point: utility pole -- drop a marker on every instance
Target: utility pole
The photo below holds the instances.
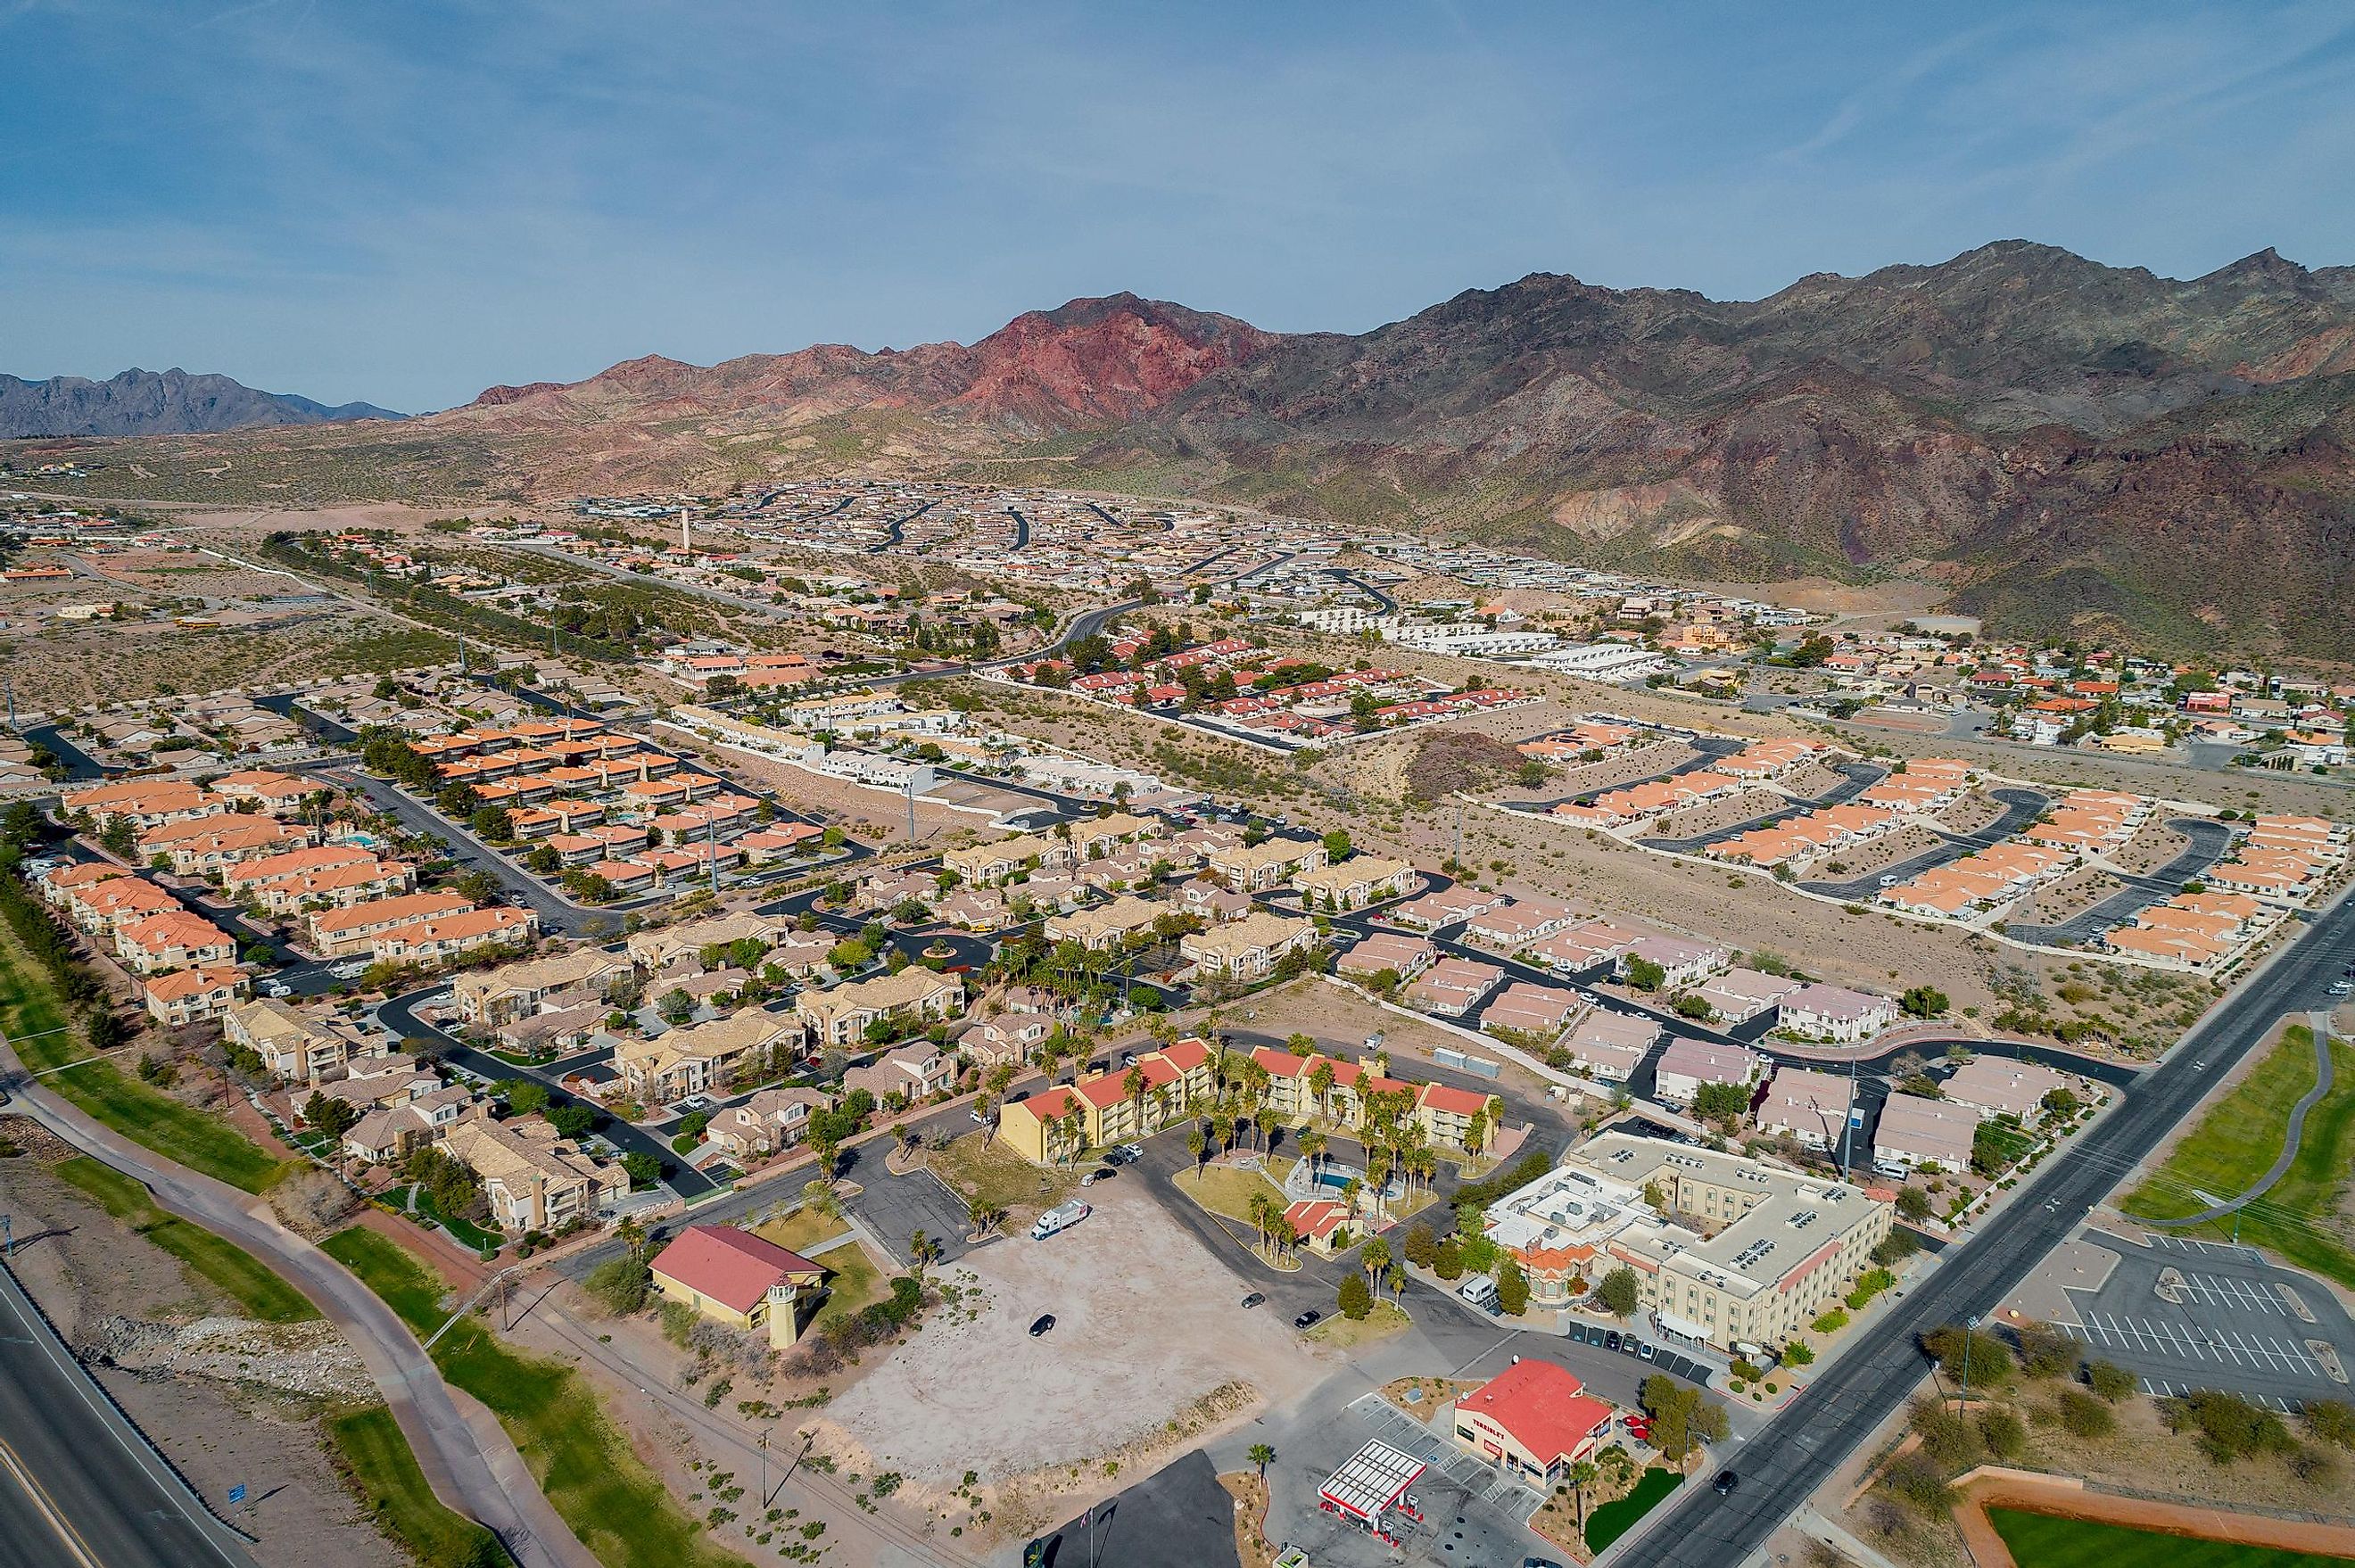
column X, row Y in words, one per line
column 711, row 847
column 1848, row 1127
column 909, row 789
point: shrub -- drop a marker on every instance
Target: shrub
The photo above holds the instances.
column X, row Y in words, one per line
column 1797, row 1353
column 2331, row 1420
column 1357, row 1298
column 2002, row 1430
column 1952, row 1346
column 2079, row 1415
column 1946, row 1438
column 619, row 1284
column 2109, row 1380
column 1831, row 1322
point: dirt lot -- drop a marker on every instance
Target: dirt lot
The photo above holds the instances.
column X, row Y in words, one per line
column 2153, row 845
column 1975, row 810
column 1889, row 850
column 979, row 1393
column 1711, row 815
column 2072, row 895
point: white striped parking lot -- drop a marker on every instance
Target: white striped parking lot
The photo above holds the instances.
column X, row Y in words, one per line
column 2233, row 1292
column 2197, row 1344
column 2163, row 1388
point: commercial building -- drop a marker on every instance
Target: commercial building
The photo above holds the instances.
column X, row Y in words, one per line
column 1768, row 1250
column 735, row 1277
column 1533, row 1421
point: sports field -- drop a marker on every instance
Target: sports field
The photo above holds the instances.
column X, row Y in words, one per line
column 2047, row 1541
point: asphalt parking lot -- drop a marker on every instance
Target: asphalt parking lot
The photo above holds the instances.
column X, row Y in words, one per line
column 2183, row 1315
column 896, row 1207
column 1663, row 1359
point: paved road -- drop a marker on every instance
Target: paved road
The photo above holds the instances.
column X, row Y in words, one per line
column 2209, row 842
column 1800, row 1449
column 78, row 1483
column 400, row 1015
column 558, row 916
column 1855, row 779
column 471, row 1465
column 2020, row 808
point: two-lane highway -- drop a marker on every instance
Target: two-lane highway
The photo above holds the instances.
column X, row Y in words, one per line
column 1782, row 1467
column 79, row 1486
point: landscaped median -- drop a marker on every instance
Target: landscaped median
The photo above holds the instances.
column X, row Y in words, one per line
column 614, row 1504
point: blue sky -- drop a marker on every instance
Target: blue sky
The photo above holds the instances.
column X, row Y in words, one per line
column 407, row 202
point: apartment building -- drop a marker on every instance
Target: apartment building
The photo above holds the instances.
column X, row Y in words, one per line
column 771, row 1120
column 1452, row 988
column 1806, row 1106
column 172, row 939
column 1834, row 1013
column 491, row 997
column 986, row 864
column 1354, row 883
column 533, row 1180
column 1263, row 868
column 1915, row 1133
column 1247, row 949
column 915, row 1071
column 1106, row 928
column 445, row 938
column 1609, row 1046
column 1056, row 1125
column 1687, row 1063
column 341, row 933
column 911, row 999
column 696, row 1061
column 194, row 996
column 289, row 1046
column 1404, row 956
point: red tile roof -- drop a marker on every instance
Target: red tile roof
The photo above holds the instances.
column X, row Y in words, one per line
column 733, row 1267
column 1539, row 1403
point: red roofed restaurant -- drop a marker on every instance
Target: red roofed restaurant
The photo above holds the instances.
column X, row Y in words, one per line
column 1532, row 1421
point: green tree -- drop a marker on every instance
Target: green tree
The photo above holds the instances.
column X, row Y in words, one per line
column 643, row 1170
column 1262, row 1456
column 675, row 1006
column 1421, row 1246
column 1336, row 845
column 1617, row 1293
column 1990, row 1358
column 1721, row 1102
column 525, row 1096
column 1357, row 1298
column 332, row 1116
column 1512, row 1288
column 573, row 1121
column 1447, row 1259
column 1913, row 1203
column 620, row 1284
column 1643, row 975
column 1924, row 1001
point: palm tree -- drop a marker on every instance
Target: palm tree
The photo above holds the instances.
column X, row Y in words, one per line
column 631, row 1234
column 1583, row 1475
column 1262, row 1456
column 1266, row 1121
column 1222, row 1129
column 1133, row 1087
column 1312, row 1148
column 1374, row 1258
column 1195, row 1144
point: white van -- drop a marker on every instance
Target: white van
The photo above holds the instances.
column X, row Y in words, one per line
column 1480, row 1291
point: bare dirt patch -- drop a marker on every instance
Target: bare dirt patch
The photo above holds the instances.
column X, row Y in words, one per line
column 2153, row 845
column 1889, row 850
column 1711, row 816
column 1975, row 810
column 980, row 1393
column 2071, row 896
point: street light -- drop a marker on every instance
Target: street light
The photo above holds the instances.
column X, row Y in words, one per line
column 1970, row 1327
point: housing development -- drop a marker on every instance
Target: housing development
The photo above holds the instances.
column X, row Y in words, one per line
column 1597, row 925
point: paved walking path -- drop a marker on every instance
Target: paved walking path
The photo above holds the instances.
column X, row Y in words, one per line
column 2319, row 1023
column 466, row 1455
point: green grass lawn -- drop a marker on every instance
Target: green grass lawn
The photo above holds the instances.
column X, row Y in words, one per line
column 803, row 1229
column 1613, row 1519
column 30, row 1010
column 2041, row 1540
column 853, row 1279
column 2237, row 1140
column 241, row 1275
column 380, row 1464
column 619, row 1509
column 979, row 1166
column 1225, row 1189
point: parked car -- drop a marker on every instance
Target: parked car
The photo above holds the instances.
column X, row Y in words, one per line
column 1611, row 1340
column 1102, row 1173
column 1725, row 1483
column 1646, row 1352
column 1046, row 1321
column 1308, row 1319
column 1254, row 1299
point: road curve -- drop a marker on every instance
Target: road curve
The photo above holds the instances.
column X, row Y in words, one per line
column 466, row 1457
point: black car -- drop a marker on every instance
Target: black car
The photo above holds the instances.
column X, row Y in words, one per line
column 1725, row 1483
column 1254, row 1299
column 1308, row 1319
column 1611, row 1340
column 1046, row 1321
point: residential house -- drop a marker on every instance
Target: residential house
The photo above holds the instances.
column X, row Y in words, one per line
column 194, row 996
column 914, row 996
column 533, row 1180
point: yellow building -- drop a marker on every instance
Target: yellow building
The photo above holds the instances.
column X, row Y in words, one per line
column 741, row 1280
column 1057, row 1125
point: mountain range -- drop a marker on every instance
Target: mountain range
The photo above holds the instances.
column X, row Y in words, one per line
column 2068, row 447
column 156, row 402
